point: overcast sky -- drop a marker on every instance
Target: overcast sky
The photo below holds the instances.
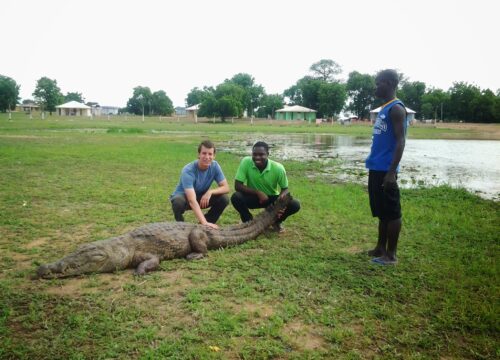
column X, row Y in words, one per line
column 104, row 48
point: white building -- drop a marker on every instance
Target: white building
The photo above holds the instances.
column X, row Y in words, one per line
column 409, row 118
column 73, row 108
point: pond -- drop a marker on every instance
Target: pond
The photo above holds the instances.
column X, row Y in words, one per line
column 470, row 164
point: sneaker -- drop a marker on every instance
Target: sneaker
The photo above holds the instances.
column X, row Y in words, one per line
column 278, row 228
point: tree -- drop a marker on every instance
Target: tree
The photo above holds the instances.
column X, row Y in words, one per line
column 462, row 96
column 140, row 102
column 433, row 102
column 484, row 107
column 230, row 100
column 161, row 103
column 47, row 94
column 209, row 106
column 325, row 69
column 361, row 91
column 305, row 92
column 294, row 94
column 197, row 96
column 411, row 94
column 74, row 96
column 332, row 97
column 269, row 104
column 9, row 93
column 253, row 92
column 316, row 94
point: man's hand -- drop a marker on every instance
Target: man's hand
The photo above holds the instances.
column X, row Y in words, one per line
column 389, row 180
column 205, row 199
column 210, row 225
column 262, row 197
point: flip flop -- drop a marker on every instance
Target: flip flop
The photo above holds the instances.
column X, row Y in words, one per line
column 379, row 261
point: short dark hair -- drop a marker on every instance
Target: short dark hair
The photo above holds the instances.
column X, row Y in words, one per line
column 261, row 144
column 389, row 75
column 207, row 144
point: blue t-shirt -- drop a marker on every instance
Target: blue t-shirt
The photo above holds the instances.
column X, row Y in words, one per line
column 199, row 180
column 383, row 140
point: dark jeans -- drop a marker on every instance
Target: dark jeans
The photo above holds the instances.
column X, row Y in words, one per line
column 242, row 202
column 217, row 204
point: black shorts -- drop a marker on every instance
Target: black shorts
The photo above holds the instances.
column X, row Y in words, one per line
column 384, row 203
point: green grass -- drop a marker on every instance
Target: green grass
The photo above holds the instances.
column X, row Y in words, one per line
column 308, row 294
column 21, row 124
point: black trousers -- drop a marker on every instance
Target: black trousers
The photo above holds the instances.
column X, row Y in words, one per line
column 243, row 202
column 217, row 204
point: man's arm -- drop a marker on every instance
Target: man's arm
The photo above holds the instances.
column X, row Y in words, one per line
column 283, row 192
column 239, row 186
column 223, row 188
column 398, row 117
column 191, row 198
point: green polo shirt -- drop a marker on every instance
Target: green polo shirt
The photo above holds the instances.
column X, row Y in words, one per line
column 270, row 181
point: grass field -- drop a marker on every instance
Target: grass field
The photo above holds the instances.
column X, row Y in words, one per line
column 310, row 293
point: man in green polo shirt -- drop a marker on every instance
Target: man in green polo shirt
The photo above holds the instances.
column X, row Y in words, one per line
column 259, row 182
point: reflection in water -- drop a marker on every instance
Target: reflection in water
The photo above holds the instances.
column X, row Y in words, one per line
column 472, row 164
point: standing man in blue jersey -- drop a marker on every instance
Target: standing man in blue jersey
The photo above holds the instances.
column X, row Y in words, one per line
column 194, row 192
column 389, row 133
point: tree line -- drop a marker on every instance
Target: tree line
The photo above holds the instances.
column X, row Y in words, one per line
column 321, row 90
column 48, row 95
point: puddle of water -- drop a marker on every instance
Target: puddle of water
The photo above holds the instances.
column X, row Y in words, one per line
column 471, row 164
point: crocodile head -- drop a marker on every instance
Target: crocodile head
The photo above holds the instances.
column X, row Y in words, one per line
column 87, row 259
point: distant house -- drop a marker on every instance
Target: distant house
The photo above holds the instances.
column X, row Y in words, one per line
column 27, row 108
column 180, row 111
column 193, row 111
column 409, row 118
column 73, row 108
column 296, row 112
column 109, row 110
column 98, row 110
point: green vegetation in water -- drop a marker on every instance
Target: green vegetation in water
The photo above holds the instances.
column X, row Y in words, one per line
column 310, row 293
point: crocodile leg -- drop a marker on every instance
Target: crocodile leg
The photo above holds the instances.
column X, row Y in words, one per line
column 150, row 264
column 198, row 240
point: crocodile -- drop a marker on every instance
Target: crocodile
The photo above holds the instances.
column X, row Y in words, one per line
column 144, row 247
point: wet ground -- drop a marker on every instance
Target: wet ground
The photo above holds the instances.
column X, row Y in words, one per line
column 471, row 164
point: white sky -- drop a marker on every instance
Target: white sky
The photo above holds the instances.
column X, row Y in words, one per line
column 104, row 48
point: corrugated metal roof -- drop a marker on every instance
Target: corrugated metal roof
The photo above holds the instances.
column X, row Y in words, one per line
column 194, row 107
column 73, row 105
column 295, row 108
column 377, row 110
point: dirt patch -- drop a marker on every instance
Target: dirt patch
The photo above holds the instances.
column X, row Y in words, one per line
column 352, row 250
column 261, row 310
column 77, row 286
column 483, row 131
column 36, row 243
column 303, row 337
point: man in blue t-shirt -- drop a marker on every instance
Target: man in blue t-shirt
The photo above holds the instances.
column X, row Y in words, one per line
column 389, row 132
column 194, row 192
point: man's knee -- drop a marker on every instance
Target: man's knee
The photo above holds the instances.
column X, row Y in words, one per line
column 179, row 204
column 237, row 198
column 294, row 206
column 223, row 200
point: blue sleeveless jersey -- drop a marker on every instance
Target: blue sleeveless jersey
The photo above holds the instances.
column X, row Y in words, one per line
column 383, row 140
